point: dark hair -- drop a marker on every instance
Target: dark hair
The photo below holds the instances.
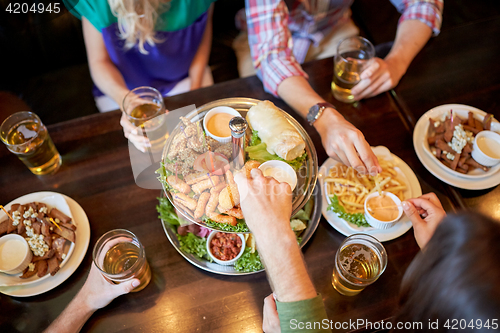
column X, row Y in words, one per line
column 456, row 276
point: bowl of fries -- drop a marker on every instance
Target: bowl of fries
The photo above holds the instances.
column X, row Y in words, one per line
column 350, row 189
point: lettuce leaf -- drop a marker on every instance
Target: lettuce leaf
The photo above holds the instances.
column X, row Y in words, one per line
column 241, row 226
column 356, row 219
column 194, row 245
column 167, row 213
column 248, row 262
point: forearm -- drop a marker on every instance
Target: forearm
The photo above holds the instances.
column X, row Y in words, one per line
column 72, row 319
column 299, row 95
column 109, row 80
column 411, row 37
column 284, row 264
column 200, row 60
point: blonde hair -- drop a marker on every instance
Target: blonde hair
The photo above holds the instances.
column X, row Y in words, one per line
column 137, row 20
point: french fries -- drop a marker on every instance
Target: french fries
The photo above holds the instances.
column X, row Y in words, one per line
column 352, row 188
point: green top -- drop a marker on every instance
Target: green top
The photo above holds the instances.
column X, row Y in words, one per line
column 179, row 14
column 303, row 316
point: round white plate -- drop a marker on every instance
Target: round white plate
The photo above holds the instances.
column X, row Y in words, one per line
column 39, row 286
column 382, row 235
column 481, row 182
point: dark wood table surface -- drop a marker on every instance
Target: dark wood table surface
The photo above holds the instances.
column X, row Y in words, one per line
column 96, row 172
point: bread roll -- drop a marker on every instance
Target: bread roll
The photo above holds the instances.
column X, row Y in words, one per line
column 280, row 137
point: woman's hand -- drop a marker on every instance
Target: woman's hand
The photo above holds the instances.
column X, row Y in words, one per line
column 271, row 322
column 382, row 75
column 134, row 134
column 425, row 214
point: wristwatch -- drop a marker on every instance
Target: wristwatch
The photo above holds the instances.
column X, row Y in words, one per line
column 316, row 110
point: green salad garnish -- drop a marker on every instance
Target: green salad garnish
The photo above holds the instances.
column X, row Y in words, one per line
column 249, row 262
column 356, row 219
column 193, row 244
column 257, row 151
column 241, row 226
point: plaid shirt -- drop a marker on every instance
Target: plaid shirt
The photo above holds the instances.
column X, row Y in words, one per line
column 281, row 31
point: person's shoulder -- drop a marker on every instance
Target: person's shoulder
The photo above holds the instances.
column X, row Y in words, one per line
column 180, row 14
column 97, row 12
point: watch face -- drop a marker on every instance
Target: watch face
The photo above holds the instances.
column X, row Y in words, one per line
column 313, row 112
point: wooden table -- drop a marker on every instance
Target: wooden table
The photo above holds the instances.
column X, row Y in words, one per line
column 96, row 172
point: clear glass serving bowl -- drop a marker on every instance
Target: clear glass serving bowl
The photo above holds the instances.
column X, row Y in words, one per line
column 306, row 175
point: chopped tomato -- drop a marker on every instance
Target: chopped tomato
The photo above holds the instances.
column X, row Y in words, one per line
column 214, row 163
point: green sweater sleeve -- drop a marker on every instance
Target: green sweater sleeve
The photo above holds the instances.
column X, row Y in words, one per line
column 303, row 316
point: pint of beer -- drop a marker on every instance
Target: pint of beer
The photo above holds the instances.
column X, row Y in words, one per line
column 360, row 260
column 25, row 135
column 352, row 58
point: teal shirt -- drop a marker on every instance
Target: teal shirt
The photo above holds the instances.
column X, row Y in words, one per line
column 303, row 316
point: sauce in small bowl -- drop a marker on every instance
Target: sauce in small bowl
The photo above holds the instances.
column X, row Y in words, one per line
column 383, row 211
column 486, row 148
column 15, row 254
column 216, row 123
column 225, row 248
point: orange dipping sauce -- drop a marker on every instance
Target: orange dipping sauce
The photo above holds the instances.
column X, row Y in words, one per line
column 218, row 124
column 383, row 208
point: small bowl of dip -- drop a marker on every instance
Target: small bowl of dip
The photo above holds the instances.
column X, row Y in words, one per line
column 280, row 171
column 216, row 123
column 225, row 248
column 15, row 254
column 486, row 148
column 383, row 211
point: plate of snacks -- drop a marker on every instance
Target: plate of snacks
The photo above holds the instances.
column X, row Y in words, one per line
column 345, row 191
column 57, row 233
column 445, row 139
column 203, row 153
column 194, row 242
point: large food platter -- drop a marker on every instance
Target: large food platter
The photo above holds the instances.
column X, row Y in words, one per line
column 229, row 270
column 307, row 174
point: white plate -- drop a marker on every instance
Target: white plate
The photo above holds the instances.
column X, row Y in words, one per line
column 483, row 180
column 463, row 112
column 71, row 263
column 383, row 235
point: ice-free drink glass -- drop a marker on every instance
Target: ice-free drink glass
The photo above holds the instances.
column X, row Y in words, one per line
column 143, row 107
column 25, row 135
column 120, row 257
column 359, row 261
column 353, row 57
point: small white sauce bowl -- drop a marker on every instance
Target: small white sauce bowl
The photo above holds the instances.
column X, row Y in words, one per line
column 481, row 157
column 378, row 224
column 216, row 110
column 285, row 167
column 23, row 254
column 225, row 262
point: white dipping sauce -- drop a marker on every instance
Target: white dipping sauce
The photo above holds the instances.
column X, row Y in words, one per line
column 12, row 254
column 489, row 146
column 279, row 174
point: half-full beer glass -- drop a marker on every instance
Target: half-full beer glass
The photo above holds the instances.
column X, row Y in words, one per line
column 353, row 56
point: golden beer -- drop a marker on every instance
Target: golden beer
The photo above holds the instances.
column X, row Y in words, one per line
column 145, row 109
column 122, row 257
column 358, row 263
column 26, row 136
column 352, row 58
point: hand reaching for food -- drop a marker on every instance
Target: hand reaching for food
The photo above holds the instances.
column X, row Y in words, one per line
column 266, row 203
column 425, row 214
column 345, row 143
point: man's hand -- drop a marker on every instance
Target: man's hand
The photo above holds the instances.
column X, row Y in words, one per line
column 265, row 202
column 271, row 322
column 97, row 292
column 425, row 214
column 345, row 143
column 380, row 76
